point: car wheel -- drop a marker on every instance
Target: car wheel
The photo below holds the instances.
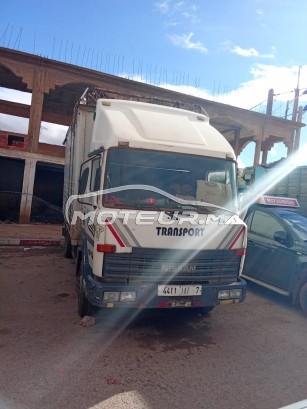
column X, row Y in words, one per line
column 303, row 298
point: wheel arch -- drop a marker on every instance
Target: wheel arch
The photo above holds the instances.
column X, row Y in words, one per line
column 301, row 280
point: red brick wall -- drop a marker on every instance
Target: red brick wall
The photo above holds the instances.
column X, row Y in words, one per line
column 52, row 150
column 15, row 145
column 43, row 148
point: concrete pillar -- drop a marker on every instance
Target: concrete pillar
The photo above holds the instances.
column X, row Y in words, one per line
column 36, row 110
column 257, row 153
column 27, row 191
column 264, row 157
column 236, row 147
column 290, row 149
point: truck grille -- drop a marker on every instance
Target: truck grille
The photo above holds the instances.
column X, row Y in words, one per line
column 172, row 265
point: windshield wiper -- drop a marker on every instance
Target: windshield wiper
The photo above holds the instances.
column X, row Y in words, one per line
column 204, row 208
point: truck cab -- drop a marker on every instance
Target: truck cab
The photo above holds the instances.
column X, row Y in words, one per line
column 151, row 209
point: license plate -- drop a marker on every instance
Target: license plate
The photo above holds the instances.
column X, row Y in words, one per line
column 178, row 290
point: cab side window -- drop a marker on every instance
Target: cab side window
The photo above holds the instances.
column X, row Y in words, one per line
column 264, row 224
column 83, row 180
column 95, row 175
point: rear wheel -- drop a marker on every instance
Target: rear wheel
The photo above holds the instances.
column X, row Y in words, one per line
column 303, row 298
column 67, row 246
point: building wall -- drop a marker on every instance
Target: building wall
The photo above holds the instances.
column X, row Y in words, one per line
column 56, row 87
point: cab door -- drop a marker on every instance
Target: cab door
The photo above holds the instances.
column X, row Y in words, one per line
column 256, row 250
column 268, row 258
column 89, row 185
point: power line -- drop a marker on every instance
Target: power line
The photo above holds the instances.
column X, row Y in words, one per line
column 260, row 103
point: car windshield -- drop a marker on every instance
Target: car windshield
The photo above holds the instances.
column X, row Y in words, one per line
column 188, row 177
column 297, row 222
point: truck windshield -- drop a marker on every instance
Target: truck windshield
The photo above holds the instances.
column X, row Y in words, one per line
column 188, row 177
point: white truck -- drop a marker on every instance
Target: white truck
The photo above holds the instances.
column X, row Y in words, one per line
column 150, row 208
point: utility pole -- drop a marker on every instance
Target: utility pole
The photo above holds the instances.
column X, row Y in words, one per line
column 296, row 96
column 269, row 106
column 298, row 130
column 296, row 133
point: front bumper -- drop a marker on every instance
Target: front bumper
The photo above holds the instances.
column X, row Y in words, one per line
column 146, row 295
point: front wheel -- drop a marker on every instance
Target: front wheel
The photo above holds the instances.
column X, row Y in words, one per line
column 303, row 298
column 84, row 306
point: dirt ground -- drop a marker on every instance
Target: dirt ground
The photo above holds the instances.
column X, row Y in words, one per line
column 246, row 356
column 31, row 231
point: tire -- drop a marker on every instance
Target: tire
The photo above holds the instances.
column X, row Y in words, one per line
column 303, row 298
column 67, row 246
column 84, row 306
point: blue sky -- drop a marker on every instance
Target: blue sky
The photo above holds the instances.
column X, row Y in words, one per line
column 229, row 51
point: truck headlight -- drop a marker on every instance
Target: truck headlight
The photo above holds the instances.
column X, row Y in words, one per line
column 223, row 295
column 111, row 296
column 127, row 296
column 230, row 294
column 237, row 293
